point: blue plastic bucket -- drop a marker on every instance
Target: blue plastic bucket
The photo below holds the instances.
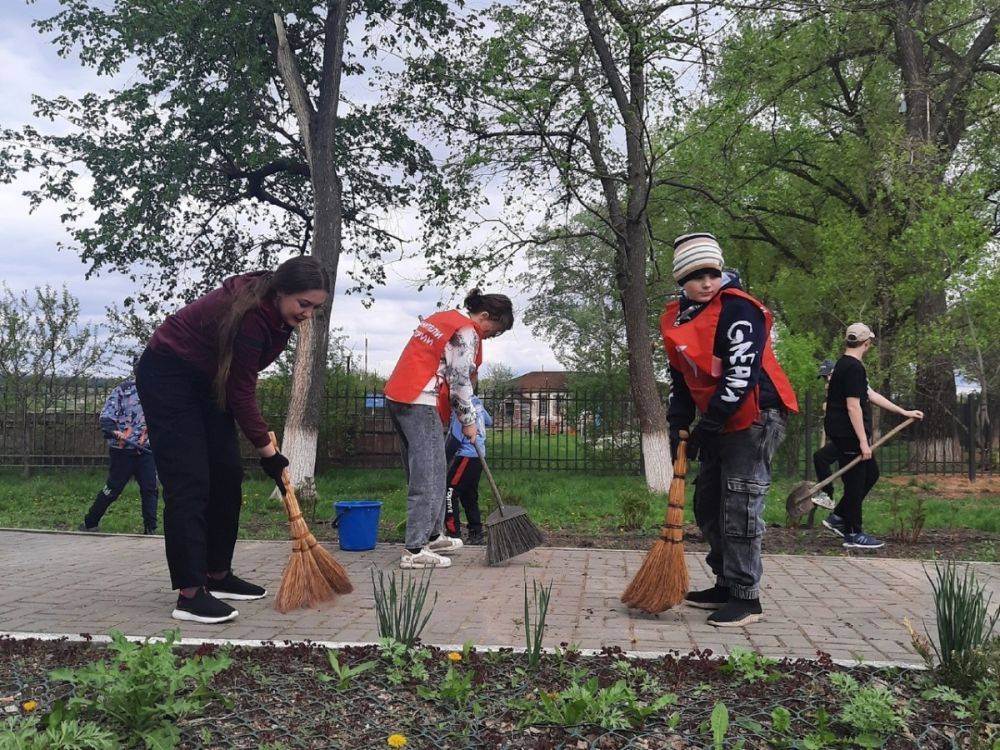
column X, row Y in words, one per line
column 357, row 521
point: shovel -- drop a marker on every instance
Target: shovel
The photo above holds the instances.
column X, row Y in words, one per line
column 805, row 494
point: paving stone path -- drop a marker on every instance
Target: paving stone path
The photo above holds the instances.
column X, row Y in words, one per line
column 849, row 607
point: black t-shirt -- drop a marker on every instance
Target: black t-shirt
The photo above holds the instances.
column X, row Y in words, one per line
column 849, row 380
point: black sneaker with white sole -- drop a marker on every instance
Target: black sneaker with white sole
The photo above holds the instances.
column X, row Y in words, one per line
column 737, row 613
column 234, row 589
column 203, row 607
column 713, row 598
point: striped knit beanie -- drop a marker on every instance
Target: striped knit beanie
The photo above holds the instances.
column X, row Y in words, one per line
column 696, row 252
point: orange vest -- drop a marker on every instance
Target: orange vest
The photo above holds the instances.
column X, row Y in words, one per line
column 690, row 350
column 421, row 359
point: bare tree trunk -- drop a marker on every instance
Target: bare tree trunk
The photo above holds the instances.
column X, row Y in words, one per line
column 318, row 128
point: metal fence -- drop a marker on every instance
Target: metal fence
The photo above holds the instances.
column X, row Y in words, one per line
column 54, row 423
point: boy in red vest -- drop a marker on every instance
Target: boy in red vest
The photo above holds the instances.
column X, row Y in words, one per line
column 433, row 377
column 722, row 366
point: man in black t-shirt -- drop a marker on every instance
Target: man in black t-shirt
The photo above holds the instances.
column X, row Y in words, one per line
column 848, row 425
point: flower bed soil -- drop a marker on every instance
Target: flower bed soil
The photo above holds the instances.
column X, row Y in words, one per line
column 276, row 696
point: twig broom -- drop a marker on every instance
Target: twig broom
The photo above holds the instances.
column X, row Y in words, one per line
column 509, row 531
column 312, row 575
column 662, row 581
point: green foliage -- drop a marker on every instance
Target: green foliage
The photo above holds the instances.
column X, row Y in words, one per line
column 454, row 690
column 870, row 710
column 612, row 707
column 534, row 619
column 191, row 163
column 749, row 666
column 719, row 723
column 344, row 672
column 399, row 606
column 405, row 662
column 66, row 734
column 633, row 507
column 143, row 689
column 964, row 623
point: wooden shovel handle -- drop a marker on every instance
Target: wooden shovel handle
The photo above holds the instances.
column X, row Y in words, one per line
column 854, row 462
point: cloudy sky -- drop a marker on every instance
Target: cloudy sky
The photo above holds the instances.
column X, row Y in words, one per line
column 28, row 255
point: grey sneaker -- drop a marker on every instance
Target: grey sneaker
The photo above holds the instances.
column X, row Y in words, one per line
column 84, row 527
column 836, row 524
column 861, row 540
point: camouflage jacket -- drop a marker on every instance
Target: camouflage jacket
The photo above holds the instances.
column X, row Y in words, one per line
column 122, row 414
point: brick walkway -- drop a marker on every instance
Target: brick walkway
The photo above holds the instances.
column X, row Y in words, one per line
column 850, row 607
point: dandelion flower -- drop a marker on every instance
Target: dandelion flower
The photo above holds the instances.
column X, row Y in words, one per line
column 396, row 740
column 29, row 706
column 454, row 656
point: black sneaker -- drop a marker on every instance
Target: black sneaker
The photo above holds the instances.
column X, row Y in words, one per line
column 149, row 531
column 712, row 598
column 836, row 524
column 861, row 540
column 476, row 537
column 203, row 607
column 234, row 588
column 84, row 527
column 737, row 613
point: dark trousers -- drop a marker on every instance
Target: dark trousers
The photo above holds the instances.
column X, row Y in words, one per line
column 858, row 482
column 463, row 490
column 198, row 459
column 823, row 461
column 122, row 466
column 729, row 494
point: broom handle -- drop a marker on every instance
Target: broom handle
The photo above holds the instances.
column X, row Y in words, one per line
column 854, row 462
column 489, row 475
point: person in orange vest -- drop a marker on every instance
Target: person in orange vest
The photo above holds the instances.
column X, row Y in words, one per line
column 722, row 367
column 432, row 378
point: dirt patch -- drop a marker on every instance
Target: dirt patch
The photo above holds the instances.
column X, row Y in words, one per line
column 959, row 544
column 285, row 697
column 952, row 487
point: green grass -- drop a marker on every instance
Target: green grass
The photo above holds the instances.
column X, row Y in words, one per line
column 558, row 501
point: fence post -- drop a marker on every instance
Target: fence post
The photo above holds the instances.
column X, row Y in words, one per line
column 970, row 424
column 807, row 422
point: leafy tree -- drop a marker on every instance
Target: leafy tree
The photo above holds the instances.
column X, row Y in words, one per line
column 558, row 100
column 231, row 146
column 41, row 340
column 847, row 155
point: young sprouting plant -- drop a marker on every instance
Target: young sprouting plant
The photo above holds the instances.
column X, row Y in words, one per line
column 144, row 688
column 534, row 619
column 612, row 707
column 719, row 722
column 344, row 673
column 749, row 666
column 400, row 605
column 870, row 710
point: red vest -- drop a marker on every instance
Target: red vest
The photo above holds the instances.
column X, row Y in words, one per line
column 421, row 359
column 690, row 350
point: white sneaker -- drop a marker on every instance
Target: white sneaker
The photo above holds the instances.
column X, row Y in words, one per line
column 423, row 559
column 445, row 544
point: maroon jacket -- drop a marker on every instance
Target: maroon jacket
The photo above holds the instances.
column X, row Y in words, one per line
column 192, row 334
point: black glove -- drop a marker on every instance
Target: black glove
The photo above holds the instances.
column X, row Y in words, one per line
column 705, row 435
column 273, row 466
column 675, row 441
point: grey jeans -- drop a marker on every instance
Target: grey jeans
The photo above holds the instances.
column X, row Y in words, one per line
column 729, row 498
column 421, row 438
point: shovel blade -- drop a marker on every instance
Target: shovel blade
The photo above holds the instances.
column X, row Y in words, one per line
column 799, row 500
